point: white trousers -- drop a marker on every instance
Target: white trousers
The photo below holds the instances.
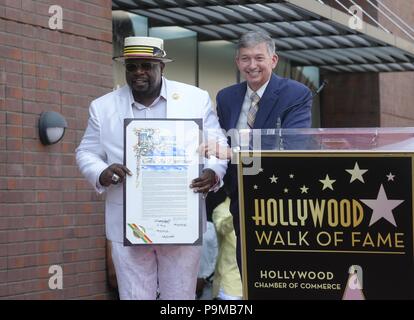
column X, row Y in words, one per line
column 140, row 270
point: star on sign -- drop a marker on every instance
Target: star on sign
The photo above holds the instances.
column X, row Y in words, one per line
column 261, row 170
column 286, row 190
column 304, row 189
column 327, row 183
column 390, row 176
column 291, row 176
column 273, row 179
column 255, row 187
column 356, row 173
column 382, row 207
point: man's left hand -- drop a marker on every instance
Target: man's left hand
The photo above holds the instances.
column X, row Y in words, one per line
column 204, row 182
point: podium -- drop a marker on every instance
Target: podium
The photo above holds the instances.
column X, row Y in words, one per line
column 326, row 213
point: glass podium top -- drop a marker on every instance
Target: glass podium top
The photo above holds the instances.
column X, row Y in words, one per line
column 367, row 139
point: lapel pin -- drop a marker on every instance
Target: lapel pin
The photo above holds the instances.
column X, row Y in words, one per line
column 176, row 96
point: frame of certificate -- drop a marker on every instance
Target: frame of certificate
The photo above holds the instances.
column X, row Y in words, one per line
column 159, row 206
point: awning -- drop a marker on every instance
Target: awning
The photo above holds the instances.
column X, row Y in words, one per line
column 306, row 32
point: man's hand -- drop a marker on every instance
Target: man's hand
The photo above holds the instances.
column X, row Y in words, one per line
column 214, row 148
column 110, row 174
column 204, row 182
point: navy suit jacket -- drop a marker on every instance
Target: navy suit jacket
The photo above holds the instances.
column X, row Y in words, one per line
column 283, row 98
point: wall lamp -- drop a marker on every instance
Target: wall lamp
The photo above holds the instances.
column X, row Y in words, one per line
column 51, row 127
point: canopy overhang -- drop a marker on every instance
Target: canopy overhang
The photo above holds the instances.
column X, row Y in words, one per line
column 308, row 33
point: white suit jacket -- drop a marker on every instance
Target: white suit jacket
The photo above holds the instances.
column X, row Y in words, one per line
column 103, row 141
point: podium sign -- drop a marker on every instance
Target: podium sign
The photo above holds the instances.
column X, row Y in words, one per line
column 327, row 225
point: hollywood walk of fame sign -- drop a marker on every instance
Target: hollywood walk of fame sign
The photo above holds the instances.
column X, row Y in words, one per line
column 327, row 225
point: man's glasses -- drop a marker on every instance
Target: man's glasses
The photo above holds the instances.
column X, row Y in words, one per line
column 145, row 66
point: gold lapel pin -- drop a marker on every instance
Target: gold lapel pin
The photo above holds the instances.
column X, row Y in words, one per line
column 176, row 96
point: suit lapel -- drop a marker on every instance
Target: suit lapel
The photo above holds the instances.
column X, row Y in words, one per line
column 174, row 96
column 237, row 104
column 124, row 106
column 267, row 103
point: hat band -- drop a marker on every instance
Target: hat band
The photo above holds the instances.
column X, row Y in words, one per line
column 143, row 51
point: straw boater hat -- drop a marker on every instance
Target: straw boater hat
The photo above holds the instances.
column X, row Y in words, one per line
column 144, row 48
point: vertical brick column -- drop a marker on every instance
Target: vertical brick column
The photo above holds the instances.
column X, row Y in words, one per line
column 48, row 213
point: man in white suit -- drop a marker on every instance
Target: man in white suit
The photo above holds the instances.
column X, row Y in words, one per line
column 142, row 269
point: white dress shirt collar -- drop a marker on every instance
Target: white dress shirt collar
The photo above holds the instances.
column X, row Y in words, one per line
column 260, row 91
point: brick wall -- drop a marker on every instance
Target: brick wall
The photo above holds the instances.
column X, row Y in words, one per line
column 350, row 100
column 48, row 213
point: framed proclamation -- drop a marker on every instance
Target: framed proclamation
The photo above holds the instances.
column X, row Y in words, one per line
column 159, row 206
column 327, row 225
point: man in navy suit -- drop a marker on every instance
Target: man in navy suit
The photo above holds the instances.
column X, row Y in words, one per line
column 280, row 103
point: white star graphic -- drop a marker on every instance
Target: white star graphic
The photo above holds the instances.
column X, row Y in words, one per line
column 390, row 177
column 291, row 176
column 356, row 173
column 273, row 179
column 304, row 189
column 327, row 183
column 286, row 190
column 382, row 207
column 255, row 187
column 261, row 170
